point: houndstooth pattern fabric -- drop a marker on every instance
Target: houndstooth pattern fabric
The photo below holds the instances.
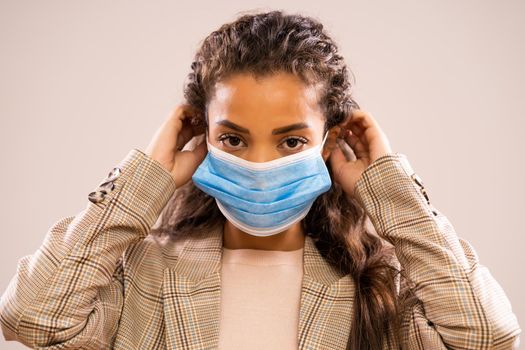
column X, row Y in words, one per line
column 100, row 281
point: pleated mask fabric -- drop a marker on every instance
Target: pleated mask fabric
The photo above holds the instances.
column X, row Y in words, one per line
column 263, row 198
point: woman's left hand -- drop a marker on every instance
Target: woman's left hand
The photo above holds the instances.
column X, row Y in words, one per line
column 368, row 142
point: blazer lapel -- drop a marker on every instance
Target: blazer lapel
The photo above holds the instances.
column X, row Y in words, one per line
column 326, row 303
column 191, row 293
column 191, row 298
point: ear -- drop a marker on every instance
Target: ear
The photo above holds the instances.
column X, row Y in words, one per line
column 330, row 143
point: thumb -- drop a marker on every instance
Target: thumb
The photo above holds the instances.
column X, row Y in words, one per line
column 337, row 159
column 337, row 156
column 187, row 162
column 195, row 151
column 200, row 152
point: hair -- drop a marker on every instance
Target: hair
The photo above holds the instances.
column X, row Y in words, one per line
column 261, row 44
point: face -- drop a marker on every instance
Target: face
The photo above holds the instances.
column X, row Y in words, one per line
column 267, row 119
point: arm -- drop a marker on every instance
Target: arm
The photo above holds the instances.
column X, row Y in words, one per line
column 463, row 306
column 69, row 293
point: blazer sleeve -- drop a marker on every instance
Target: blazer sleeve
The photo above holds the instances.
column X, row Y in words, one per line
column 461, row 306
column 69, row 293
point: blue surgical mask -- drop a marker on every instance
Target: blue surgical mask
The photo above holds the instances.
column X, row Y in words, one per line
column 263, row 198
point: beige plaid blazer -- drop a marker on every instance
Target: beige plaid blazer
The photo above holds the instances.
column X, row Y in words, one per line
column 101, row 281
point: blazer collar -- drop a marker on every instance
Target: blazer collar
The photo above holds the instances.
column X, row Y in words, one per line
column 191, row 297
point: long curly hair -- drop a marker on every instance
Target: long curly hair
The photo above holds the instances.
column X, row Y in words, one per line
column 262, row 44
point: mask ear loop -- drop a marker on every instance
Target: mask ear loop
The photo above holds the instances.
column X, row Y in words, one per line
column 323, row 142
column 207, row 139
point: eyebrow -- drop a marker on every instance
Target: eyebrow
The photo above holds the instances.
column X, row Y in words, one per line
column 281, row 130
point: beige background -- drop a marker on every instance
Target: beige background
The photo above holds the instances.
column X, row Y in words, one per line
column 83, row 82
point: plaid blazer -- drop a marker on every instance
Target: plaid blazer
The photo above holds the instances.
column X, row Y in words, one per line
column 100, row 280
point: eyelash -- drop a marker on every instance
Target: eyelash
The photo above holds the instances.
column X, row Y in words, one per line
column 298, row 138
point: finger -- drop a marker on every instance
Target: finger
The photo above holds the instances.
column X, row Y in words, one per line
column 187, row 130
column 201, row 150
column 354, row 123
column 338, row 157
column 185, row 135
column 348, row 152
column 196, row 144
column 360, row 149
column 365, row 119
column 358, row 130
column 365, row 126
column 166, row 134
column 193, row 158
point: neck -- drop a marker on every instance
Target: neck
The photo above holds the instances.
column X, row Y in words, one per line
column 290, row 239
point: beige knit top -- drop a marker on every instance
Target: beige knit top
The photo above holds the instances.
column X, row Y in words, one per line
column 260, row 298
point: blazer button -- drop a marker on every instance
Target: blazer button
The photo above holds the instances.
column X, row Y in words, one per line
column 97, row 196
column 113, row 174
column 425, row 194
column 417, row 179
column 107, row 186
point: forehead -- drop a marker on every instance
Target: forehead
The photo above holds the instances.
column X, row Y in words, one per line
column 270, row 100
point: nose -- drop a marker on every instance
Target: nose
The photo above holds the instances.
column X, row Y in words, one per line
column 261, row 154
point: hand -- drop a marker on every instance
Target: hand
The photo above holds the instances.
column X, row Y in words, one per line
column 168, row 141
column 367, row 141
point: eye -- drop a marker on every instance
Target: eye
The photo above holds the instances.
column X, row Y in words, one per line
column 233, row 140
column 290, row 143
column 294, row 143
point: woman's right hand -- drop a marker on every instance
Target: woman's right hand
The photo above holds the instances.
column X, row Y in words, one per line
column 171, row 137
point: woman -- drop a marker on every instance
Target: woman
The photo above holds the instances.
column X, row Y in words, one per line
column 268, row 245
